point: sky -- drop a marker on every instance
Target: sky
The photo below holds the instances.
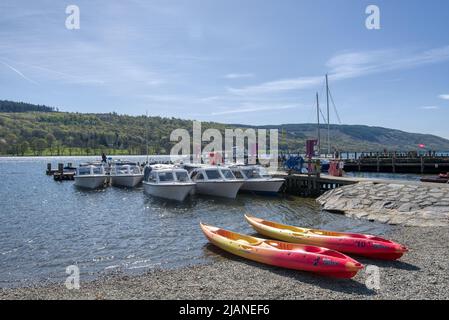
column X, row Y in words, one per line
column 233, row 61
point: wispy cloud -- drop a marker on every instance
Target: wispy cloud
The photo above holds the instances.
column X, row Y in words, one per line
column 18, row 72
column 279, row 85
column 444, row 96
column 254, row 108
column 430, row 107
column 238, row 75
column 352, row 65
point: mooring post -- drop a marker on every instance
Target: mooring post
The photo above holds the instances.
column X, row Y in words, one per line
column 422, row 164
column 378, row 163
column 393, row 158
column 48, row 168
column 60, row 167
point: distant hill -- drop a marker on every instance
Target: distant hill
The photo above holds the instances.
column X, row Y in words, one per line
column 63, row 133
column 11, row 106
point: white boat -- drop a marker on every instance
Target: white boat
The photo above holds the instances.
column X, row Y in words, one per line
column 257, row 179
column 126, row 175
column 166, row 181
column 90, row 176
column 215, row 181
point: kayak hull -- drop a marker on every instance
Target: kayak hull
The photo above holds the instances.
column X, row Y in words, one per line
column 321, row 261
column 350, row 243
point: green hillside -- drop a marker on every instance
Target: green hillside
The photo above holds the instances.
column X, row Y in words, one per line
column 62, row 133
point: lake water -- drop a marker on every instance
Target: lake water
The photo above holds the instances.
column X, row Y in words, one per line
column 46, row 226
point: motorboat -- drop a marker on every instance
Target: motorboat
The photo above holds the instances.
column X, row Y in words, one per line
column 215, row 181
column 167, row 181
column 126, row 175
column 90, row 176
column 257, row 179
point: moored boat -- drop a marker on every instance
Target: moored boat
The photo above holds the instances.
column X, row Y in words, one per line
column 257, row 179
column 168, row 182
column 126, row 175
column 351, row 243
column 282, row 254
column 90, row 176
column 215, row 181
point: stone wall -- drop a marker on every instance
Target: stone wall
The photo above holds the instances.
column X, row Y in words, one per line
column 409, row 204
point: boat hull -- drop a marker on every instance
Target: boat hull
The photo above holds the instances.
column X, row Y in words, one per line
column 263, row 185
column 177, row 192
column 129, row 181
column 90, row 182
column 225, row 189
column 351, row 243
column 286, row 255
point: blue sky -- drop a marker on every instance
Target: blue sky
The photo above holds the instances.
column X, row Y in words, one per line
column 246, row 61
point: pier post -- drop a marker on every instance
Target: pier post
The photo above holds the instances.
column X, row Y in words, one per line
column 393, row 158
column 60, row 167
column 422, row 164
column 378, row 163
column 48, row 168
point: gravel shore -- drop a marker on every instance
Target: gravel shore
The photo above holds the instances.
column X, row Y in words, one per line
column 423, row 273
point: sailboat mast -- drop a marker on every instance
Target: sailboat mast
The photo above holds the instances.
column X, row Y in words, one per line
column 318, row 123
column 328, row 118
column 146, row 135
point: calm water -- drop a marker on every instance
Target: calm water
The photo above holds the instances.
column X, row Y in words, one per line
column 46, row 225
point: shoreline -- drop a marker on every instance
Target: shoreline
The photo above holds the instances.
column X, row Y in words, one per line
column 423, row 273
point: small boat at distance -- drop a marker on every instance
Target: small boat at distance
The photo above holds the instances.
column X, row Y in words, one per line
column 90, row 176
column 126, row 174
column 351, row 243
column 167, row 181
column 282, row 254
column 257, row 179
column 216, row 181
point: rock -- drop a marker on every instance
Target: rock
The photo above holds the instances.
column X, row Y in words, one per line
column 412, row 205
column 407, row 207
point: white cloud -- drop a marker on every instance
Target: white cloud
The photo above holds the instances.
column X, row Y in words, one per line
column 430, row 107
column 254, row 108
column 238, row 75
column 279, row 85
column 444, row 96
column 352, row 65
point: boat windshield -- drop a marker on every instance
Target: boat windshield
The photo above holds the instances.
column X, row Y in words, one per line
column 182, row 176
column 238, row 174
column 83, row 171
column 121, row 170
column 135, row 170
column 252, row 173
column 96, row 170
column 165, row 176
column 227, row 174
column 213, row 174
column 264, row 172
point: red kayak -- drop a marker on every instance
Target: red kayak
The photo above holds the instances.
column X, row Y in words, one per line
column 352, row 243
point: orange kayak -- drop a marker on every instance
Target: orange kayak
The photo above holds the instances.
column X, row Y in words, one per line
column 281, row 254
column 352, row 243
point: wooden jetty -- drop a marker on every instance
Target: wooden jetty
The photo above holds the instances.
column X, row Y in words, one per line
column 61, row 173
column 398, row 162
column 312, row 185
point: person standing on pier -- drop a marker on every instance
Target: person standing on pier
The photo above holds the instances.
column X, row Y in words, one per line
column 104, row 158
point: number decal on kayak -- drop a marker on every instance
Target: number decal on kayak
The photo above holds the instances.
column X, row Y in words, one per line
column 360, row 244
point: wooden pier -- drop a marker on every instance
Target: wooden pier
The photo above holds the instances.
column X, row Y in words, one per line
column 397, row 162
column 62, row 173
column 312, row 185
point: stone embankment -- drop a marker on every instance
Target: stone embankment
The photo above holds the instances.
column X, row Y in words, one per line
column 410, row 204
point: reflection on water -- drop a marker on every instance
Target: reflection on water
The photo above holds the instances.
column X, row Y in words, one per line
column 46, row 225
